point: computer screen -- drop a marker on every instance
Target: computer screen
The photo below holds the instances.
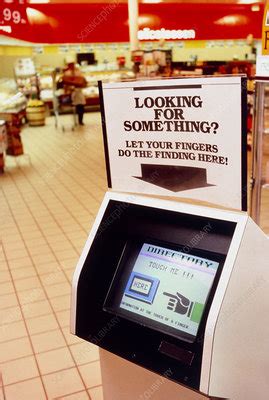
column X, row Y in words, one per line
column 163, row 288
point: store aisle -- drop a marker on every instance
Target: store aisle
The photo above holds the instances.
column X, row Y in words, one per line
column 47, row 209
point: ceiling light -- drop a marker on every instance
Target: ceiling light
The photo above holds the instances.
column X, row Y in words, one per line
column 35, row 16
column 255, row 7
column 232, row 20
column 38, row 1
column 151, row 1
column 247, row 1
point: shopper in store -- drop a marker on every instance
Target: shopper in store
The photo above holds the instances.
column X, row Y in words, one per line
column 74, row 80
column 79, row 101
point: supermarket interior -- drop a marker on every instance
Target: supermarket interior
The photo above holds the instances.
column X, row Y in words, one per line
column 53, row 167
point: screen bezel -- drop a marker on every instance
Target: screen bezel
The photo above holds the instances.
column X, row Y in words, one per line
column 124, row 268
column 125, row 221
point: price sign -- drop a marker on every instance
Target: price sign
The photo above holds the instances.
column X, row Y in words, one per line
column 13, row 13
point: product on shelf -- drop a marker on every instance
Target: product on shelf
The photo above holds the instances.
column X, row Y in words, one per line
column 26, row 77
column 11, row 101
column 121, row 61
column 24, row 66
column 46, row 76
column 46, row 95
column 12, row 111
column 45, row 82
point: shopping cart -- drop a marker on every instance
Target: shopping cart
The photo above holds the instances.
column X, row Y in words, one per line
column 62, row 104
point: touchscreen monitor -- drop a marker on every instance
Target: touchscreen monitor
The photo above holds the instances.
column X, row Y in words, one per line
column 163, row 288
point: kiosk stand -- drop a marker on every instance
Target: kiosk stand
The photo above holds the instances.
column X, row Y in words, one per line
column 176, row 296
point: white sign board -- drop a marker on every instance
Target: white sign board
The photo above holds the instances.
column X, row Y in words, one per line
column 262, row 66
column 177, row 137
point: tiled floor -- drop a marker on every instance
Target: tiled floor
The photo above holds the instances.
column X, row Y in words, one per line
column 46, row 211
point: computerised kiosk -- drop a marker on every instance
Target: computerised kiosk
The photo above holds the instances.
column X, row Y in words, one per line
column 176, row 296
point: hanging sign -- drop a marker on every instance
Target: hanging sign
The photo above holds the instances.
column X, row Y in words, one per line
column 13, row 13
column 265, row 30
column 262, row 66
column 177, row 137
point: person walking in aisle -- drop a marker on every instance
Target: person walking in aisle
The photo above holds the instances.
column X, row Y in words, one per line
column 74, row 79
column 79, row 101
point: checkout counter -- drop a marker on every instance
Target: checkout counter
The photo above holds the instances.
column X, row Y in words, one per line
column 176, row 297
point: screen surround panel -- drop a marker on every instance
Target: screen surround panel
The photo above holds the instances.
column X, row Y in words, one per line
column 163, row 286
column 123, row 227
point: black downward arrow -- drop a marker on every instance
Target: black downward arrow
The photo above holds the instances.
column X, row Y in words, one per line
column 174, row 178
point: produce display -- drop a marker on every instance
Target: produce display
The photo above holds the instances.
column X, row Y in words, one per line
column 12, row 112
column 28, row 85
column 26, row 77
column 10, row 99
column 24, row 66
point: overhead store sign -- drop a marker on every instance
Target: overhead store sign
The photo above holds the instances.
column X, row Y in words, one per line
column 265, row 30
column 177, row 137
column 97, row 22
column 168, row 34
column 13, row 13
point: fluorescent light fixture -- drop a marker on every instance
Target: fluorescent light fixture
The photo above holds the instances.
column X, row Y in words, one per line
column 38, row 1
column 255, row 7
column 35, row 16
column 151, row 1
column 232, row 20
column 247, row 2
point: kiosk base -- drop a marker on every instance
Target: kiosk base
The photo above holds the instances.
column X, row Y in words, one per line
column 123, row 380
column 236, row 336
